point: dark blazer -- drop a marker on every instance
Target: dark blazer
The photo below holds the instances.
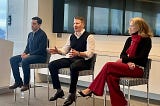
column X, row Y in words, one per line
column 142, row 51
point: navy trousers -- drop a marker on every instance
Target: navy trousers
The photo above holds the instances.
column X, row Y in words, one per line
column 31, row 59
column 75, row 64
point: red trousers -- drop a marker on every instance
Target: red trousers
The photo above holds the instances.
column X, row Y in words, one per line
column 111, row 73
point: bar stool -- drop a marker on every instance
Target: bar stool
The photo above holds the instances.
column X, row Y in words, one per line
column 128, row 81
column 36, row 66
column 66, row 71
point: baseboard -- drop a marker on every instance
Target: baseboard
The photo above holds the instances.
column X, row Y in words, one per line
column 144, row 94
column 65, row 79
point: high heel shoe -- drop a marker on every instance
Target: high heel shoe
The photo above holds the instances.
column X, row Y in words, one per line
column 85, row 95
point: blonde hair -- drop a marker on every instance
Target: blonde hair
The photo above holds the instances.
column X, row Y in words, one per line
column 144, row 29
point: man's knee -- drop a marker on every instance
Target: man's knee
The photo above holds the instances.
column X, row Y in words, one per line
column 52, row 65
column 14, row 59
column 24, row 62
column 74, row 68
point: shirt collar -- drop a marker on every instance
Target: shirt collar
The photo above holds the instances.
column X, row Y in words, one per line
column 35, row 31
column 78, row 34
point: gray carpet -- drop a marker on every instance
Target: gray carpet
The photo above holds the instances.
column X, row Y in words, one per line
column 41, row 99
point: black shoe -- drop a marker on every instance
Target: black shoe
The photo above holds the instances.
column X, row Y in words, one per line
column 85, row 95
column 58, row 94
column 25, row 87
column 15, row 85
column 70, row 99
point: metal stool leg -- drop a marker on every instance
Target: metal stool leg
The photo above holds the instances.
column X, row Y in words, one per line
column 48, row 83
column 34, row 84
column 93, row 100
column 123, row 90
column 147, row 95
column 75, row 103
column 55, row 102
column 29, row 90
column 93, row 95
column 105, row 93
column 105, row 104
column 128, row 95
column 15, row 95
column 29, row 95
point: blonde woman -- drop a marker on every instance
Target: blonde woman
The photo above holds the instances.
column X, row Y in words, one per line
column 132, row 61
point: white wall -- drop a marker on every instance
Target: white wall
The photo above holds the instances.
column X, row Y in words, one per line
column 23, row 10
column 107, row 46
column 15, row 30
column 45, row 11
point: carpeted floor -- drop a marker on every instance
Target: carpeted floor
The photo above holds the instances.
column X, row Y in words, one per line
column 42, row 100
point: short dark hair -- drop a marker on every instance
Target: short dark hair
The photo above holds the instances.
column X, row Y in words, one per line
column 80, row 18
column 39, row 20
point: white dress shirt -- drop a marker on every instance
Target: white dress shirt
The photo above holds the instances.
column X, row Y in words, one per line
column 90, row 44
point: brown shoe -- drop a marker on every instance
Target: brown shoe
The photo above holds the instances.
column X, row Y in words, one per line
column 70, row 99
column 15, row 85
column 58, row 94
column 25, row 87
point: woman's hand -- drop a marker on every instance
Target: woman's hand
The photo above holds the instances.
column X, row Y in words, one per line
column 131, row 65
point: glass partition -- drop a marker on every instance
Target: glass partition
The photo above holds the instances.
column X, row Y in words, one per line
column 3, row 19
column 105, row 17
